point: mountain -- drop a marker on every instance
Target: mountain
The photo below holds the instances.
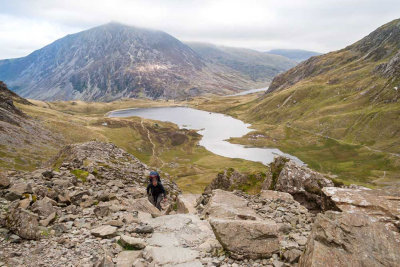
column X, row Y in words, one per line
column 257, row 65
column 343, row 106
column 114, row 61
column 297, row 55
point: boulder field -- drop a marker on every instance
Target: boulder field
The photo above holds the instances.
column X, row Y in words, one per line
column 88, row 207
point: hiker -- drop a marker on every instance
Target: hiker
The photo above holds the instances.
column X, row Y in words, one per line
column 155, row 190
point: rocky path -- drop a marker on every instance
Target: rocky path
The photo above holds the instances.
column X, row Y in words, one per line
column 154, row 152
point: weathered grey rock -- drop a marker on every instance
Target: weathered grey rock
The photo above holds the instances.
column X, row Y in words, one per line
column 170, row 255
column 17, row 190
column 48, row 220
column 102, row 210
column 24, row 203
column 186, row 203
column 226, row 205
column 104, row 231
column 377, row 203
column 304, row 184
column 144, row 205
column 274, row 195
column 4, row 181
column 250, row 239
column 144, row 229
column 23, row 223
column 351, row 239
column 127, row 258
column 292, row 255
column 132, row 242
column 44, row 207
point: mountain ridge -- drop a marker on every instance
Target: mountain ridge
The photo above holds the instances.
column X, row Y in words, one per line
column 114, row 61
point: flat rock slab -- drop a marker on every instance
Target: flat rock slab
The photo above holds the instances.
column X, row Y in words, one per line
column 170, row 255
column 372, row 202
column 351, row 239
column 127, row 258
column 249, row 239
column 144, row 205
column 182, row 230
column 227, row 205
column 104, row 231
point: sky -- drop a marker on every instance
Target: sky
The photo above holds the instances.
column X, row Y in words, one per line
column 316, row 25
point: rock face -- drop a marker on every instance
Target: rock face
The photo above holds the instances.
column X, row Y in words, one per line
column 351, row 239
column 112, row 61
column 303, row 183
column 253, row 239
column 375, row 203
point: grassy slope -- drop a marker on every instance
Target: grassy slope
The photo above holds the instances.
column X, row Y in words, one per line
column 344, row 122
column 175, row 151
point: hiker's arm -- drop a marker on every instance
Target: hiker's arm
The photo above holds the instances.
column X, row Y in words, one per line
column 148, row 189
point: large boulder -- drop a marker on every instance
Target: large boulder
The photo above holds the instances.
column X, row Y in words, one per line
column 186, row 203
column 227, row 205
column 377, row 203
column 351, row 239
column 304, row 184
column 247, row 239
column 23, row 223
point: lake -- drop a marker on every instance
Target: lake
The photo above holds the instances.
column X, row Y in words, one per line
column 251, row 91
column 215, row 128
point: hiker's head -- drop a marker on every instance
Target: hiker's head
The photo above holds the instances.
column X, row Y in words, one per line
column 154, row 177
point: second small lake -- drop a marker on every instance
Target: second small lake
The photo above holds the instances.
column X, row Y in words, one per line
column 215, row 128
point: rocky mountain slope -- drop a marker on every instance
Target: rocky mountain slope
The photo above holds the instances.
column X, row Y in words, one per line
column 257, row 65
column 297, row 55
column 19, row 133
column 88, row 208
column 114, row 61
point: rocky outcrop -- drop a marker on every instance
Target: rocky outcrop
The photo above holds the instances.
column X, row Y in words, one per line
column 303, row 183
column 230, row 180
column 351, row 239
column 252, row 239
column 381, row 203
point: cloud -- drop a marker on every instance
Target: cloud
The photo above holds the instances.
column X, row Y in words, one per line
column 323, row 26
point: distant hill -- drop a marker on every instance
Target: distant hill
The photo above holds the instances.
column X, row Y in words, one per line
column 257, row 65
column 297, row 55
column 114, row 61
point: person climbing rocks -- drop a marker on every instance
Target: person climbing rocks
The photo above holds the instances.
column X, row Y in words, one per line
column 155, row 190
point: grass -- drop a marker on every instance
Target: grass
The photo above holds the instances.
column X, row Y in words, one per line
column 80, row 174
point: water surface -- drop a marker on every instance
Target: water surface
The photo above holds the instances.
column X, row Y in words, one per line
column 251, row 91
column 215, row 128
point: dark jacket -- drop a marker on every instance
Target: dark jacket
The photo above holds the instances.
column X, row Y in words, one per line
column 155, row 191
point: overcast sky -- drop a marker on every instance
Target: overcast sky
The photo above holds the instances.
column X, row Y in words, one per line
column 318, row 25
